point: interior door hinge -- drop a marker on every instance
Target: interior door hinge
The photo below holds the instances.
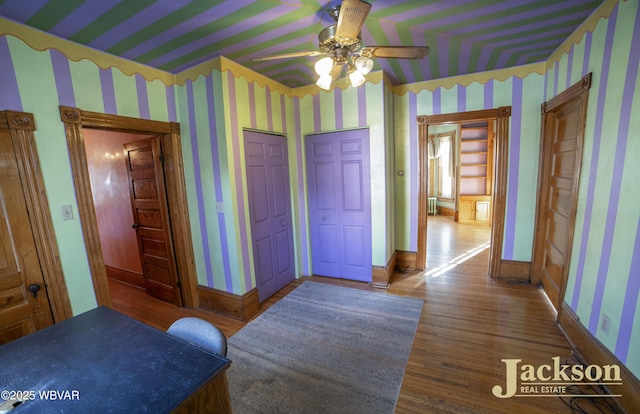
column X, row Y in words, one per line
column 162, row 158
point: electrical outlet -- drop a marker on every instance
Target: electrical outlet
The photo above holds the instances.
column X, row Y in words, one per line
column 605, row 323
column 219, row 207
column 67, row 213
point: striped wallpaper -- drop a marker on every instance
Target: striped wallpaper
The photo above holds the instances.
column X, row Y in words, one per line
column 524, row 96
column 604, row 275
column 213, row 109
column 38, row 82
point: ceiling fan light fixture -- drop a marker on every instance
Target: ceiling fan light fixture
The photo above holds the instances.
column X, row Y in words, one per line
column 324, row 82
column 355, row 77
column 363, row 64
column 323, row 66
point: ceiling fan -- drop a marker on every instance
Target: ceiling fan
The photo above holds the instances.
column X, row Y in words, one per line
column 341, row 45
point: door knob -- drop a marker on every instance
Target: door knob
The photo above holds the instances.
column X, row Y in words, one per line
column 34, row 289
column 134, row 226
column 283, row 224
column 323, row 218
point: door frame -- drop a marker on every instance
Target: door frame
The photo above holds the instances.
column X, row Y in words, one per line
column 578, row 91
column 500, row 169
column 289, row 201
column 21, row 126
column 75, row 120
column 368, row 183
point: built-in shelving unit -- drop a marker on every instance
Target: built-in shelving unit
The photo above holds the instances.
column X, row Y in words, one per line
column 476, row 171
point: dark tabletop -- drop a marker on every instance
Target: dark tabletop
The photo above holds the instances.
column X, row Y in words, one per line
column 104, row 362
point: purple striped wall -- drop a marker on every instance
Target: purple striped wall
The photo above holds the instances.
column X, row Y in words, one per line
column 488, row 94
column 108, row 91
column 237, row 166
column 630, row 302
column 514, row 169
column 143, row 97
column 62, row 74
column 462, row 98
column 172, row 111
column 437, row 101
column 195, row 158
column 217, row 179
column 10, row 96
column 597, row 140
column 616, row 183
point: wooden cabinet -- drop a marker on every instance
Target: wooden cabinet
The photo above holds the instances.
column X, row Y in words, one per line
column 474, row 208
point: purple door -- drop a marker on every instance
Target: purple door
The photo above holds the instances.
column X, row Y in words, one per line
column 338, row 181
column 269, row 210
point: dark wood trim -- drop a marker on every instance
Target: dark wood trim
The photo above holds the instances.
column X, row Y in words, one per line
column 455, row 118
column 596, row 353
column 512, row 269
column 499, row 202
column 381, row 275
column 126, row 276
column 405, row 260
column 74, row 121
column 500, row 166
column 21, row 126
column 579, row 90
column 423, row 191
column 241, row 307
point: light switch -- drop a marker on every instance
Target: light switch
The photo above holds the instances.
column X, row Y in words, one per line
column 67, row 213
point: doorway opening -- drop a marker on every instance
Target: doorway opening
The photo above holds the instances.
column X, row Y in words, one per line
column 472, row 181
column 460, row 190
column 168, row 133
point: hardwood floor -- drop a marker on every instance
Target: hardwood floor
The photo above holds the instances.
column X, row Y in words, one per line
column 468, row 324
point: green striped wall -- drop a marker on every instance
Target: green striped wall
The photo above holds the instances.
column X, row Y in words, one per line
column 370, row 106
column 604, row 272
column 222, row 242
column 45, row 81
column 524, row 141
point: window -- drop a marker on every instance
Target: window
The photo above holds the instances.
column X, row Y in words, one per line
column 445, row 169
column 443, row 152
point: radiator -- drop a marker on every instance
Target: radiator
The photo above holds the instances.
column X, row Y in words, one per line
column 432, row 208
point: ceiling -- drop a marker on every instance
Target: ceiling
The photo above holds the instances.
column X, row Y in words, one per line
column 464, row 36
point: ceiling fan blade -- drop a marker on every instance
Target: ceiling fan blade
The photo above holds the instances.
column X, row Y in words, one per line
column 396, row 52
column 288, row 55
column 352, row 16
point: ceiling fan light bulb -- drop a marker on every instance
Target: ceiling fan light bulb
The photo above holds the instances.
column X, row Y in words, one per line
column 363, row 64
column 356, row 78
column 324, row 82
column 323, row 66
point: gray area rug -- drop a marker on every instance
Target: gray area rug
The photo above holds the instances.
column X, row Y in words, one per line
column 323, row 349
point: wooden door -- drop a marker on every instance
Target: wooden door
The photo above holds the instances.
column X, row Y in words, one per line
column 339, row 188
column 151, row 218
column 561, row 156
column 270, row 211
column 24, row 305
